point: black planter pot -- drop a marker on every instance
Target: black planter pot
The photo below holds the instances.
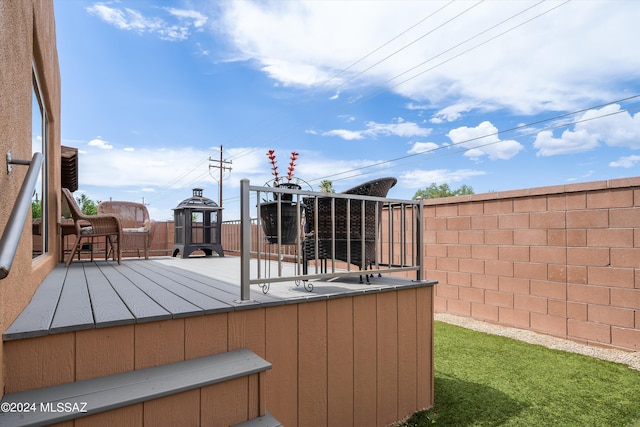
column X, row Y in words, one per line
column 287, row 185
column 289, row 224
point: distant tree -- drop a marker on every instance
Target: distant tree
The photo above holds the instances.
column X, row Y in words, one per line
column 326, row 186
column 36, row 209
column 443, row 190
column 87, row 206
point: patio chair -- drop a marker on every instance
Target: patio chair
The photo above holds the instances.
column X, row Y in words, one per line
column 93, row 226
column 137, row 228
column 345, row 238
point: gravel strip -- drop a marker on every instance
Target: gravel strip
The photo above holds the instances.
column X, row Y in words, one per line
column 632, row 359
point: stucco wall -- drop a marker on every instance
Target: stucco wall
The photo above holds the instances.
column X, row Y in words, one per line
column 562, row 260
column 27, row 39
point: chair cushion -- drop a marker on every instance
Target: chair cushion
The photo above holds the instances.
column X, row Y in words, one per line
column 135, row 230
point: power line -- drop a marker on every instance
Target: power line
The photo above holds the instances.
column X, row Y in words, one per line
column 386, row 44
column 380, row 89
column 413, row 42
column 249, row 151
column 246, row 152
column 175, row 190
column 172, row 186
column 353, row 64
column 352, row 172
column 524, row 126
column 383, row 89
column 222, row 166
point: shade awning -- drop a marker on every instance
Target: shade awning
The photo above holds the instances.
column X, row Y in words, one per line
column 69, row 168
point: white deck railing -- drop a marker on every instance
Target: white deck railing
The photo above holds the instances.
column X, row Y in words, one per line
column 391, row 227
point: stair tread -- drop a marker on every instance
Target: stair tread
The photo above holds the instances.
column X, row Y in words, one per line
column 115, row 391
column 267, row 420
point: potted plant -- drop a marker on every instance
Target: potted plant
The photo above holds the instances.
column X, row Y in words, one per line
column 278, row 181
column 288, row 208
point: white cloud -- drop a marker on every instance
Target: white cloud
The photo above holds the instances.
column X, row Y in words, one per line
column 423, row 147
column 197, row 18
column 413, row 106
column 162, row 170
column 401, row 128
column 570, row 142
column 133, row 20
column 100, row 143
column 420, row 178
column 625, row 162
column 533, row 60
column 349, row 135
column 295, row 74
column 619, row 128
column 140, row 168
column 450, row 114
column 608, row 125
column 483, row 140
column 373, row 130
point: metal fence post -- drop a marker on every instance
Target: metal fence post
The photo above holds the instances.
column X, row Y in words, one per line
column 418, row 237
column 245, row 240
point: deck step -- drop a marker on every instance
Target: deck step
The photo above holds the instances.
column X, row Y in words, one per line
column 115, row 391
column 267, row 420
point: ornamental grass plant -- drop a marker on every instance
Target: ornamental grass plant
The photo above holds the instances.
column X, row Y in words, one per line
column 489, row 380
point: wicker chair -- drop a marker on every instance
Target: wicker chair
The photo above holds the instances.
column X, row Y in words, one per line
column 343, row 239
column 107, row 226
column 137, row 228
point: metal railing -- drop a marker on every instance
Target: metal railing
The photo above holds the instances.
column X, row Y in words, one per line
column 390, row 227
column 12, row 232
column 231, row 241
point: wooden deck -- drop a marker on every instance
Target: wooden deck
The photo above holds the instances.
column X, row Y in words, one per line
column 102, row 293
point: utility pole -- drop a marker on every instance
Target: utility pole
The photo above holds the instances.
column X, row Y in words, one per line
column 220, row 165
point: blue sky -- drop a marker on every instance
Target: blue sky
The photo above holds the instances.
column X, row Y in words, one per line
column 497, row 95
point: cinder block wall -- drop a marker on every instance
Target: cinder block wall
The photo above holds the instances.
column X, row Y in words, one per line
column 561, row 260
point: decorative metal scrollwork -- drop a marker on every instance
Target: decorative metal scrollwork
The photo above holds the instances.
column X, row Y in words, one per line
column 308, row 286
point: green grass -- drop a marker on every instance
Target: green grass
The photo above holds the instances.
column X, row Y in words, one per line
column 487, row 380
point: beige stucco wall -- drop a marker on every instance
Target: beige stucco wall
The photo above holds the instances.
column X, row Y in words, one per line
column 27, row 38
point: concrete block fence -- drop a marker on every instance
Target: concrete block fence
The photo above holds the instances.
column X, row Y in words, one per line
column 561, row 260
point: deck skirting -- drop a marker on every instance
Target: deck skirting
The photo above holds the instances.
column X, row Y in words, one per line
column 344, row 354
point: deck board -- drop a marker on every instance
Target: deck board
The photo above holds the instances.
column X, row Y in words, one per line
column 108, row 308
column 173, row 303
column 98, row 294
column 224, row 291
column 74, row 307
column 218, row 289
column 141, row 306
column 175, row 285
column 35, row 319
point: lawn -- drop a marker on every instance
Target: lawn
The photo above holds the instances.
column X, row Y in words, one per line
column 488, row 380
